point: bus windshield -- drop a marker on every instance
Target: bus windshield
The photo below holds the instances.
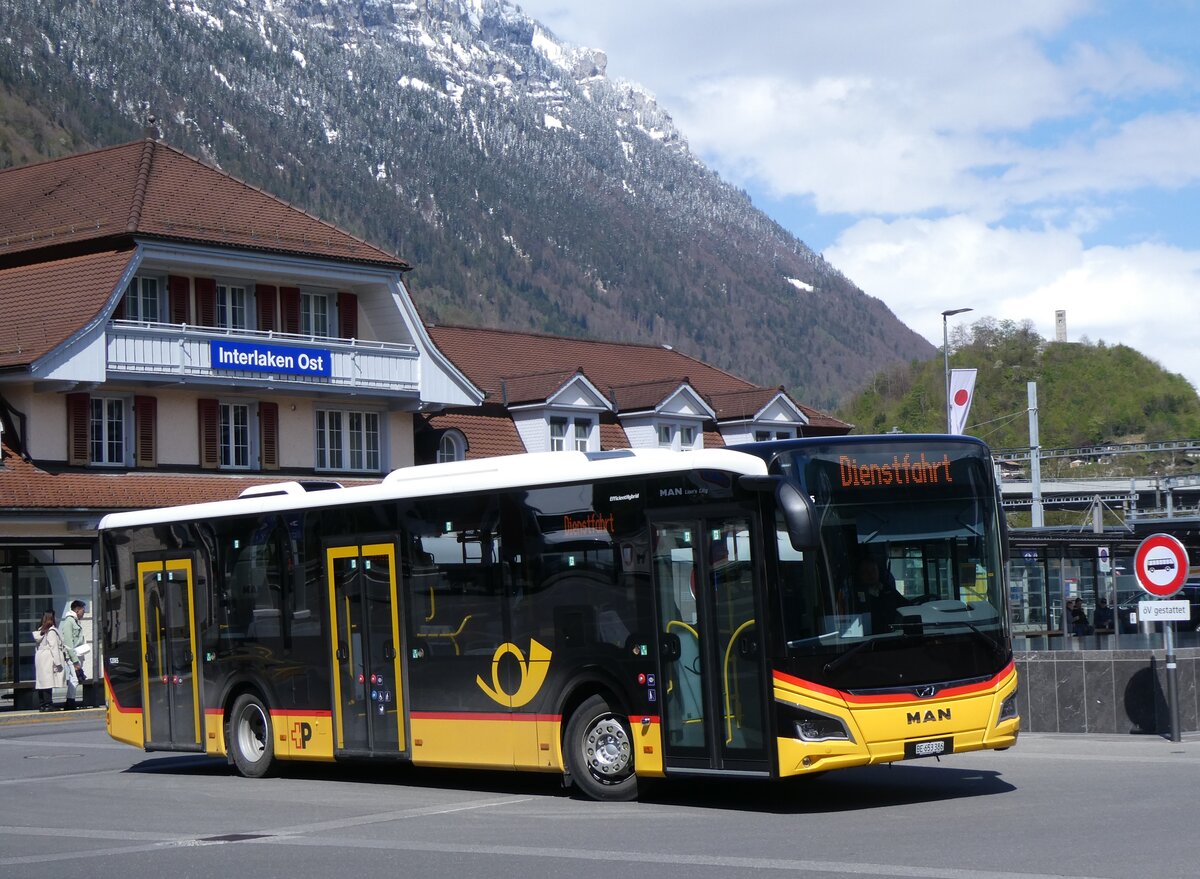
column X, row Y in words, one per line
column 905, row 587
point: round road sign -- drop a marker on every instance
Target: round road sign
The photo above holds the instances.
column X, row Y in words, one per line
column 1161, row 564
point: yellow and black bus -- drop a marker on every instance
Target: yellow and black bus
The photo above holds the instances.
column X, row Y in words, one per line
column 606, row 616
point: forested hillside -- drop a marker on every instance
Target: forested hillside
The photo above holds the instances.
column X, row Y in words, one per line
column 1088, row 393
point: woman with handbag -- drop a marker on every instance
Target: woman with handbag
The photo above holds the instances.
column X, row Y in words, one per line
column 49, row 661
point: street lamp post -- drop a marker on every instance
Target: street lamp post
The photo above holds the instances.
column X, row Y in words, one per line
column 946, row 357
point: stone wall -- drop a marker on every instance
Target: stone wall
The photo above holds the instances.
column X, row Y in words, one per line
column 1105, row 691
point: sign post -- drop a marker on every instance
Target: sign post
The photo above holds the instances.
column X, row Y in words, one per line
column 1161, row 565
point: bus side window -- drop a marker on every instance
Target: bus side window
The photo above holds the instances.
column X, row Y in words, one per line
column 254, row 579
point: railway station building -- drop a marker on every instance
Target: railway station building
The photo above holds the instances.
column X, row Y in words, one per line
column 169, row 334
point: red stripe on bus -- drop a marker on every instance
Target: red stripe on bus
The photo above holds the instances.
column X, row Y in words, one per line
column 895, row 698
column 301, row 712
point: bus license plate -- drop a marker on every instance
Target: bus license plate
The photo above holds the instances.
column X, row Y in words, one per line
column 935, row 748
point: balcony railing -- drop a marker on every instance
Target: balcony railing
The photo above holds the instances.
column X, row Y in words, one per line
column 185, row 352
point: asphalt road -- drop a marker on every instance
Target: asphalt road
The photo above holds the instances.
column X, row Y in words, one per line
column 1055, row 806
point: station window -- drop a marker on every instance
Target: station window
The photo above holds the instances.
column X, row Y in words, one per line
column 235, row 435
column 232, row 307
column 107, row 430
column 143, row 300
column 314, row 314
column 348, row 440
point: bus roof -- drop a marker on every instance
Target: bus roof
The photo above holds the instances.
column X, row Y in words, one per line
column 484, row 474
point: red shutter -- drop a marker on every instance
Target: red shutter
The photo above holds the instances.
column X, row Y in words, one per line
column 265, row 297
column 78, row 422
column 206, row 302
column 210, row 433
column 145, row 420
column 268, row 426
column 181, row 301
column 289, row 309
column 347, row 309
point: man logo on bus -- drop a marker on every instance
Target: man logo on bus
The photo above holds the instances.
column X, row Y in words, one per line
column 302, row 734
column 928, row 716
column 533, row 674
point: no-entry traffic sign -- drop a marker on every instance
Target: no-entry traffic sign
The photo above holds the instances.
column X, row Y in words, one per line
column 1161, row 564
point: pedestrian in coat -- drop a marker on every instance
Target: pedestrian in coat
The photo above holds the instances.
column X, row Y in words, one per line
column 49, row 661
column 72, row 632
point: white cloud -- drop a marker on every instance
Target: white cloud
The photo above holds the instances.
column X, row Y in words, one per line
column 1018, row 158
column 1143, row 296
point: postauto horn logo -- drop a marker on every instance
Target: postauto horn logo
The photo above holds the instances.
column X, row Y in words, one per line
column 533, row 674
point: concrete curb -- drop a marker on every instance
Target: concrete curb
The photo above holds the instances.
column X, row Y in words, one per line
column 13, row 718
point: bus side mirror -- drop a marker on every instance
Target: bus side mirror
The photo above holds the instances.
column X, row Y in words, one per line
column 796, row 507
column 798, row 514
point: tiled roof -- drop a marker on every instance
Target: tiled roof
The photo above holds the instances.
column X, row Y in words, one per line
column 486, row 356
column 630, row 373
column 743, row 404
column 647, row 395
column 612, row 435
column 822, row 421
column 42, row 305
column 518, row 389
column 26, row 487
column 489, row 431
column 151, row 190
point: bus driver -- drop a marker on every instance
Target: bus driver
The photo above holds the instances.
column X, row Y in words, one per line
column 879, row 599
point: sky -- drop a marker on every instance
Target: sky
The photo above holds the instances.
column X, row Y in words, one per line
column 1015, row 158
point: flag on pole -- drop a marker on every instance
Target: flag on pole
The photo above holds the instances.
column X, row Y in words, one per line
column 962, row 392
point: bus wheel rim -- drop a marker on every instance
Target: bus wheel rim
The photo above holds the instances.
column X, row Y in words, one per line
column 608, row 751
column 252, row 732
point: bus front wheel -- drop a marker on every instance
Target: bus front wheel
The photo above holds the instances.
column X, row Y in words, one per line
column 599, row 752
column 249, row 736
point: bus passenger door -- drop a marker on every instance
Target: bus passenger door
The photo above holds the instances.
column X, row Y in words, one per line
column 367, row 650
column 170, row 673
column 712, row 663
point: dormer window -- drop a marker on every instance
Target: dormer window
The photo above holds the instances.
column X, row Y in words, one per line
column 143, row 300
column 762, row 436
column 672, row 435
column 571, row 434
column 451, row 447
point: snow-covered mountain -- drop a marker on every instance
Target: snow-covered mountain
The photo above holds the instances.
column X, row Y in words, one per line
column 529, row 189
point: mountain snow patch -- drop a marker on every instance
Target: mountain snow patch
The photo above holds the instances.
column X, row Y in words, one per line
column 800, row 285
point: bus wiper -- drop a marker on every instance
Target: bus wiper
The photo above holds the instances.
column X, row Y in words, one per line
column 834, row 664
column 978, row 632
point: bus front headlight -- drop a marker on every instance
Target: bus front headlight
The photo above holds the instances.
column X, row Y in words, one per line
column 814, row 726
column 1008, row 708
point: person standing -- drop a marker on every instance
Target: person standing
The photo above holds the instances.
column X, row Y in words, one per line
column 49, row 661
column 72, row 632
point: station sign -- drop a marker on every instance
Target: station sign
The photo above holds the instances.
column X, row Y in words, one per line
column 275, row 359
column 1161, row 565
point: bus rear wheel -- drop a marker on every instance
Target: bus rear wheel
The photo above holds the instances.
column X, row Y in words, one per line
column 599, row 752
column 249, row 736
